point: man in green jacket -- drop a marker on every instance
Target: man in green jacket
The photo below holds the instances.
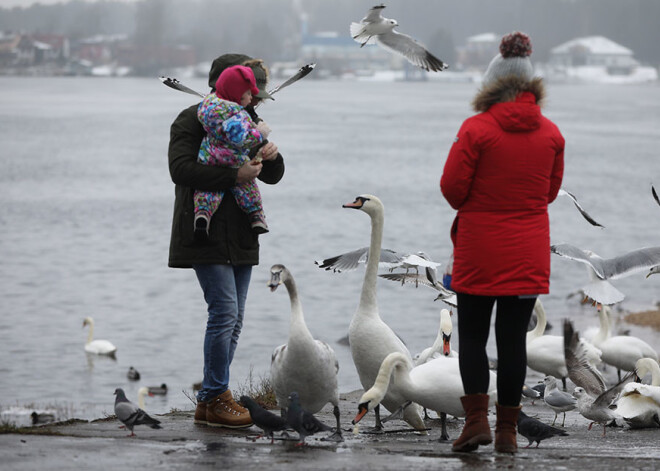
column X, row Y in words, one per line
column 223, row 264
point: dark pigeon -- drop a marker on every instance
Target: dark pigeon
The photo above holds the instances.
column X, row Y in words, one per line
column 534, row 430
column 131, row 415
column 303, row 421
column 265, row 420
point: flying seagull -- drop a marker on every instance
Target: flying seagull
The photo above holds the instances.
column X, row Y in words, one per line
column 430, row 279
column 602, row 269
column 584, row 214
column 374, row 29
column 389, row 259
column 131, row 415
column 655, row 195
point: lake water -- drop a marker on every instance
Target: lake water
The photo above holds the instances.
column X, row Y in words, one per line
column 86, row 202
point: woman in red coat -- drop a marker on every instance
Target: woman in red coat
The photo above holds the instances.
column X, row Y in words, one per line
column 504, row 168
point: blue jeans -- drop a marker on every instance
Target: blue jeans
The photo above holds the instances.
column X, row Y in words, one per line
column 225, row 290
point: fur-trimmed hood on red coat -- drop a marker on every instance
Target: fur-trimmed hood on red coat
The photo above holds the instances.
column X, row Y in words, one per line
column 507, row 89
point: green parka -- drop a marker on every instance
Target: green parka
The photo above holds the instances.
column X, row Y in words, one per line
column 231, row 239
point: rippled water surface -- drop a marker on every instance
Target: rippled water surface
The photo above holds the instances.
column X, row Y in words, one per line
column 86, row 202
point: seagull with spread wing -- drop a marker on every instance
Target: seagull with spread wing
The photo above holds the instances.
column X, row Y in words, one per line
column 602, row 269
column 375, row 29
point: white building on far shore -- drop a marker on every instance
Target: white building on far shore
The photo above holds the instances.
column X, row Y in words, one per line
column 596, row 59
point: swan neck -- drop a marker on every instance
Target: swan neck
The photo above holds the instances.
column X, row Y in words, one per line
column 368, row 295
column 541, row 322
column 297, row 316
column 90, row 332
column 604, row 331
column 385, row 372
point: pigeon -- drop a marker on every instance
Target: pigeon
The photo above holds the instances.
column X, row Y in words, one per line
column 602, row 269
column 265, row 420
column 133, row 374
column 534, row 430
column 131, row 415
column 303, row 421
column 374, row 29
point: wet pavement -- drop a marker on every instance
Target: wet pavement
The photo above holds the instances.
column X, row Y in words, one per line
column 182, row 445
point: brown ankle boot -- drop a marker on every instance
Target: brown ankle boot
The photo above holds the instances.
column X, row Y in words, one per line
column 505, row 429
column 476, row 430
column 200, row 413
column 223, row 411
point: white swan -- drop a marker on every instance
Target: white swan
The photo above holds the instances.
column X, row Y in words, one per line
column 639, row 404
column 435, row 385
column 304, row 365
column 442, row 344
column 98, row 347
column 620, row 351
column 545, row 353
column 141, row 393
column 371, row 339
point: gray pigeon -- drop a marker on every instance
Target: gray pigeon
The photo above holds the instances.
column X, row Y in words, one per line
column 130, row 414
column 534, row 430
column 303, row 421
column 265, row 420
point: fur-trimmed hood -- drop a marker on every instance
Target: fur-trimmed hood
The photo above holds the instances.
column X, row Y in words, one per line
column 506, row 89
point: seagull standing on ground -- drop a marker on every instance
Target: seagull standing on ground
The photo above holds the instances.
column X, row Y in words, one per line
column 374, row 29
column 558, row 401
column 131, row 415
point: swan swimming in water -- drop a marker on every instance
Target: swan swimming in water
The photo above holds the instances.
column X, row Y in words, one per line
column 98, row 347
column 371, row 339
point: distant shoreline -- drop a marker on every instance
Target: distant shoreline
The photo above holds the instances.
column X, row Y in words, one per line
column 645, row 318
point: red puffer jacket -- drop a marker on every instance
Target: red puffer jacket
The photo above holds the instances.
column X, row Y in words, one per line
column 504, row 168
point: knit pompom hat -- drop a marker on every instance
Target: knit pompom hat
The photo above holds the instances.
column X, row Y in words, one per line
column 234, row 81
column 513, row 59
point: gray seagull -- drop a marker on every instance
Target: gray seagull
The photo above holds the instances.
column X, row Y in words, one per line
column 602, row 269
column 374, row 29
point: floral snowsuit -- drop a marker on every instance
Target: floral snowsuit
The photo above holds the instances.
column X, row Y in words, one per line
column 230, row 134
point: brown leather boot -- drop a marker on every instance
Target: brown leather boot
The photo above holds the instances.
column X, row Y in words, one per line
column 223, row 411
column 200, row 412
column 476, row 430
column 505, row 429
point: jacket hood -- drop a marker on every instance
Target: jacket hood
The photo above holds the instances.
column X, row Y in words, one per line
column 515, row 103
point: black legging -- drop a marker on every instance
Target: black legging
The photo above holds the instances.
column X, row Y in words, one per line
column 511, row 321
